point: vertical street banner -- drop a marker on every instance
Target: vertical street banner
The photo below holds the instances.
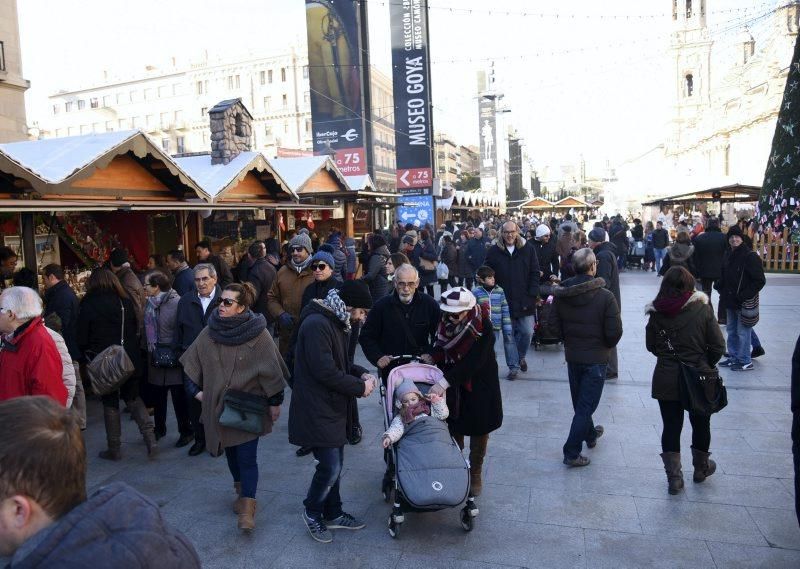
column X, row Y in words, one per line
column 408, row 20
column 487, row 128
column 334, row 75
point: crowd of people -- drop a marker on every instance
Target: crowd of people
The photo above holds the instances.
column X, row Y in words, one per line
column 224, row 343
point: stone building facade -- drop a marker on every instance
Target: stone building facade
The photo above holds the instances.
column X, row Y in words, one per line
column 13, row 126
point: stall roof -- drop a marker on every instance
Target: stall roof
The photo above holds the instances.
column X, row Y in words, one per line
column 298, row 172
column 722, row 194
column 571, row 201
column 215, row 179
column 537, row 203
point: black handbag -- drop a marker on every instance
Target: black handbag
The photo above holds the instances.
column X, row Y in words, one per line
column 243, row 411
column 701, row 392
column 163, row 356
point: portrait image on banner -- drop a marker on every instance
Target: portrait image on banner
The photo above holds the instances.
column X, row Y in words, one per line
column 334, row 75
column 488, row 136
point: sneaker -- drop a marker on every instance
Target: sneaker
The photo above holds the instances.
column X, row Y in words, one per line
column 757, row 352
column 742, row 367
column 727, row 362
column 355, row 435
column 317, row 529
column 345, row 521
column 523, row 366
column 580, row 461
column 599, row 430
column 512, row 374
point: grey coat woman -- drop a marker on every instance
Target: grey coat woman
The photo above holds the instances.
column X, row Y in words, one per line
column 165, row 306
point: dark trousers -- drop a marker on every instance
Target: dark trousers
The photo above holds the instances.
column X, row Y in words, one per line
column 128, row 392
column 195, row 410
column 466, row 282
column 323, row 499
column 429, row 290
column 796, row 456
column 672, row 417
column 243, row 464
column 585, row 386
column 179, row 404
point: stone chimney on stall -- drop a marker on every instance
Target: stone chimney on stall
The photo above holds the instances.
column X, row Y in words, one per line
column 231, row 130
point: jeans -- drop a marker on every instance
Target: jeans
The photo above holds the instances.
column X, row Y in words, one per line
column 243, row 464
column 323, row 499
column 739, row 338
column 672, row 416
column 660, row 254
column 522, row 328
column 509, row 347
column 585, row 386
column 79, row 401
column 755, row 342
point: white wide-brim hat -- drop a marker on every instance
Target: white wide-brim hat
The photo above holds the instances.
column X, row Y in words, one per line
column 457, row 299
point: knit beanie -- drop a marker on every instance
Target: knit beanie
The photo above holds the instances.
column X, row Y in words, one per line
column 735, row 230
column 406, row 386
column 325, row 257
column 302, row 240
column 355, row 294
column 597, row 235
column 118, row 257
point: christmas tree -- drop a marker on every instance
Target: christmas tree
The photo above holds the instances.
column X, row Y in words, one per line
column 779, row 202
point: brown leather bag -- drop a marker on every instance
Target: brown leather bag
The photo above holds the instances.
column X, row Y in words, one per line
column 112, row 367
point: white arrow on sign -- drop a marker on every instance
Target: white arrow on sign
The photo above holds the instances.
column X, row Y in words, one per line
column 404, row 178
column 407, row 215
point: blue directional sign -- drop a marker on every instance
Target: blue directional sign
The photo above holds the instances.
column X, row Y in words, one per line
column 417, row 210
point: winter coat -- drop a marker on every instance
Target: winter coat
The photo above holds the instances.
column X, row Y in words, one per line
column 695, row 337
column 587, row 317
column 62, row 300
column 476, row 254
column 325, row 382
column 497, row 307
column 619, row 237
column 352, row 256
column 133, row 286
column 319, row 289
column 660, row 238
column 427, row 252
column 637, row 232
column 564, row 245
column 607, row 269
column 67, row 369
column 286, row 295
column 384, row 333
column 548, row 259
column 115, row 527
column 167, row 317
column 742, row 277
column 340, row 263
column 449, row 256
column 375, row 275
column 709, row 250
column 463, row 266
column 183, row 281
column 680, row 255
column 100, row 324
column 31, row 365
column 190, row 319
column 254, row 367
column 261, row 275
column 473, row 398
column 224, row 275
column 242, row 270
column 518, row 274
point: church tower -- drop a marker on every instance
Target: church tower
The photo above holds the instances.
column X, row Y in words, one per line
column 691, row 62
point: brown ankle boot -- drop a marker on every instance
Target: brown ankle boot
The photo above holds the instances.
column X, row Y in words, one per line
column 145, row 424
column 237, row 508
column 247, row 521
column 672, row 466
column 703, row 465
column 111, row 418
column 477, row 453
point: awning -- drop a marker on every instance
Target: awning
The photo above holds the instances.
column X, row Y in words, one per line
column 722, row 194
column 20, row 206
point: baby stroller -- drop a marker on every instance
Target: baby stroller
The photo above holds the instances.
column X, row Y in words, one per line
column 635, row 255
column 425, row 469
column 543, row 334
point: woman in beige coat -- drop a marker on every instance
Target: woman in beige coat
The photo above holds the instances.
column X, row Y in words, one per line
column 236, row 352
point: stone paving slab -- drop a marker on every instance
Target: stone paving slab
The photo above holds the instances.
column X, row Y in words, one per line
column 535, row 512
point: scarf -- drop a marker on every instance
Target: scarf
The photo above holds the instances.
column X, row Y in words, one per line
column 302, row 266
column 410, row 412
column 151, row 317
column 457, row 339
column 235, row 330
column 670, row 306
column 336, row 305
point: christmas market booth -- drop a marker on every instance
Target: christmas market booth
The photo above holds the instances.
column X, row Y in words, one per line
column 458, row 205
column 536, row 205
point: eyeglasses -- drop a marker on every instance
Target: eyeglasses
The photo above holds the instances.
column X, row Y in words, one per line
column 296, row 249
column 454, row 315
column 319, row 267
column 401, row 284
column 229, row 302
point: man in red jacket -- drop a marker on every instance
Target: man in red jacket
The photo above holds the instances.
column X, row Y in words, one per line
column 29, row 360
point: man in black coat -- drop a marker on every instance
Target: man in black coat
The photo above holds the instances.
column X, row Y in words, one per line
column 709, row 249
column 660, row 244
column 261, row 275
column 204, row 255
column 607, row 269
column 546, row 254
column 182, row 274
column 587, row 316
column 194, row 308
column 325, row 383
column 476, row 251
column 401, row 323
column 516, row 270
column 60, row 299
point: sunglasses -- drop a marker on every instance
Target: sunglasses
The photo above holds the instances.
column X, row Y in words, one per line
column 228, row 302
column 319, row 267
column 296, row 249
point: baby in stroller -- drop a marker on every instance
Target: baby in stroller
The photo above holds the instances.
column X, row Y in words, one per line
column 412, row 404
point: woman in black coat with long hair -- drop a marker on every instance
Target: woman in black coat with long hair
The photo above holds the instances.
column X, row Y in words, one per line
column 100, row 325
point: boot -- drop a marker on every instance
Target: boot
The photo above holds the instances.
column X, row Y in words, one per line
column 247, row 515
column 477, row 452
column 237, row 507
column 113, row 434
column 145, row 423
column 672, row 465
column 703, row 466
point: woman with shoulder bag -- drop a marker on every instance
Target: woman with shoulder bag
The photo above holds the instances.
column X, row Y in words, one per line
column 164, row 373
column 682, row 328
column 237, row 373
column 104, row 313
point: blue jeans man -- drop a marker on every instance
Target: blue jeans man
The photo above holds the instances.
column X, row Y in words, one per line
column 585, row 386
column 739, row 338
column 522, row 329
column 659, row 254
column 509, row 348
column 323, row 500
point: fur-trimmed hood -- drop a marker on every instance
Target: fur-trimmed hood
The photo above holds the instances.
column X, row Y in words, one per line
column 680, row 252
column 697, row 297
column 519, row 243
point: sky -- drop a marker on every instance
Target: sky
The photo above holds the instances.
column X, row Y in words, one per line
column 579, row 77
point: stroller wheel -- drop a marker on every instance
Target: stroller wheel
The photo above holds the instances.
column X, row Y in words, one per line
column 467, row 521
column 394, row 529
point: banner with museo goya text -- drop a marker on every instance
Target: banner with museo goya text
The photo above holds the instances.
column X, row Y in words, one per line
column 334, row 75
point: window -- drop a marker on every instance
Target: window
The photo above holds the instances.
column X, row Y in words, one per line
column 132, row 96
column 164, row 120
column 238, row 83
column 268, row 132
column 94, row 103
column 2, row 56
column 165, row 144
column 68, row 106
column 263, row 77
column 283, row 74
column 106, row 100
column 85, row 129
column 674, row 9
column 119, row 98
column 178, row 116
column 689, row 85
column 308, row 126
column 121, row 124
column 149, row 121
column 148, row 94
column 70, row 131
column 233, row 82
column 81, row 104
column 135, row 123
column 305, row 72
column 267, row 104
column 56, row 108
column 109, row 126
column 269, row 76
column 96, row 128
column 285, row 101
column 203, row 111
column 285, row 127
column 162, row 91
column 180, row 144
column 688, row 9
column 199, row 87
column 306, row 98
column 230, row 81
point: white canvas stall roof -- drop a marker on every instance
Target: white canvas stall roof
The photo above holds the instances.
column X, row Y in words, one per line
column 298, row 171
column 360, row 183
column 445, row 203
column 213, row 179
column 55, row 159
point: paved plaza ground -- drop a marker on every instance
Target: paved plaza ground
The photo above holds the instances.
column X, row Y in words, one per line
column 535, row 512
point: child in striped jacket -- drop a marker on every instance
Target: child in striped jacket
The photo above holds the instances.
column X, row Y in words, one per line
column 488, row 293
